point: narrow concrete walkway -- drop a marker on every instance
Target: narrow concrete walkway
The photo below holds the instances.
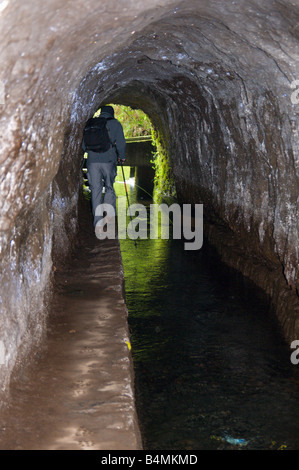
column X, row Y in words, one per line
column 79, row 393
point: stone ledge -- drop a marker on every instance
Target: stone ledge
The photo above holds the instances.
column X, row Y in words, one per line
column 80, row 393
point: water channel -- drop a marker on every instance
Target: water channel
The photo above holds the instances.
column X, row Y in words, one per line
column 212, row 370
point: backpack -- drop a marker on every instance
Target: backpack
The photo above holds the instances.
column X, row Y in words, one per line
column 96, row 135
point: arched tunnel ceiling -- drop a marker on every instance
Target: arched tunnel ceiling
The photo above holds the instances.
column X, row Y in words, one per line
column 214, row 42
column 215, row 77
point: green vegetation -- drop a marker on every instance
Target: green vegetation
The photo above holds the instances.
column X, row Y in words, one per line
column 134, row 121
column 164, row 187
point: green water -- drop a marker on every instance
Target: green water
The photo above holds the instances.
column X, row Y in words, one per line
column 212, row 370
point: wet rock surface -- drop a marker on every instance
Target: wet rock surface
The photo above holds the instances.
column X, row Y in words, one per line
column 77, row 394
column 215, row 77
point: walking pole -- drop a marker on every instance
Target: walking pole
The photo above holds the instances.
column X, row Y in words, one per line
column 122, row 168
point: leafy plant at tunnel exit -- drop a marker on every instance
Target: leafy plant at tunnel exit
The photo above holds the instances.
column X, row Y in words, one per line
column 134, row 121
column 164, row 186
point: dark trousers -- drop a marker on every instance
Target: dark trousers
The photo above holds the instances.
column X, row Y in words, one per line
column 101, row 175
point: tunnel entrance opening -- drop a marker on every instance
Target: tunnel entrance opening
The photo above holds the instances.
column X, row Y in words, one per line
column 147, row 157
column 146, row 153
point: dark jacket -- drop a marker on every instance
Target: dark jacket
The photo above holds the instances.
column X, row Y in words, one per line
column 117, row 136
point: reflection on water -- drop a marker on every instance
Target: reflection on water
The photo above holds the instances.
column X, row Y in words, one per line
column 211, row 368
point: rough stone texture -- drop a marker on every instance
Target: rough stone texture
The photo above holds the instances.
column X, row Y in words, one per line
column 216, row 79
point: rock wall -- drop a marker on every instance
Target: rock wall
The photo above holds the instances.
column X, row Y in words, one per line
column 216, row 77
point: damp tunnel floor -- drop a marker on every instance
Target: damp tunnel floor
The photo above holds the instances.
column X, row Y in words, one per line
column 77, row 393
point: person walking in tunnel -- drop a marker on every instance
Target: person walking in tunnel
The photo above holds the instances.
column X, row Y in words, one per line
column 105, row 144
